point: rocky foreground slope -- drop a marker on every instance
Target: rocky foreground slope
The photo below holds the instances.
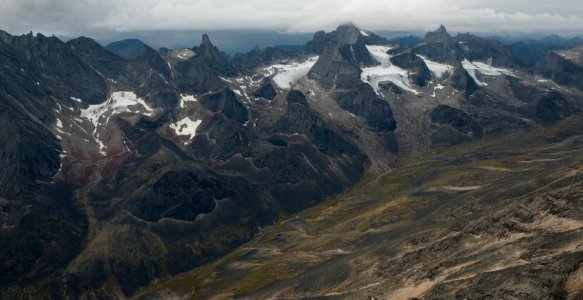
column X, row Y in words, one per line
column 119, row 171
column 498, row 219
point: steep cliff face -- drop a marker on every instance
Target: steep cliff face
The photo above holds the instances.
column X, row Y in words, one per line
column 563, row 67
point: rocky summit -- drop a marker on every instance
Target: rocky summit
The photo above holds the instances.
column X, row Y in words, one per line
column 354, row 167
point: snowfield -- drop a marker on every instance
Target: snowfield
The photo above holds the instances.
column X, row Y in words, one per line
column 118, row 102
column 484, row 69
column 286, row 75
column 386, row 71
column 186, row 98
column 182, row 54
column 436, row 68
column 186, row 127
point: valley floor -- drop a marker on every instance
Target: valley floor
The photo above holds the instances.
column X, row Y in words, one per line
column 499, row 218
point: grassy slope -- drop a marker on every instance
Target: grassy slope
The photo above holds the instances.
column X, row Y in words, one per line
column 455, row 220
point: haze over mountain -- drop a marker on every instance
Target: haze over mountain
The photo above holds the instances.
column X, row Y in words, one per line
column 90, row 17
column 353, row 166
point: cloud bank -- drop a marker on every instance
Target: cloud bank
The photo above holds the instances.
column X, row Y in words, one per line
column 494, row 16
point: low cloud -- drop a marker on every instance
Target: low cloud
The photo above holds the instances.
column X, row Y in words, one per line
column 494, row 16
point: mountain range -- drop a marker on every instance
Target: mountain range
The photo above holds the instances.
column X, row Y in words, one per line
column 128, row 171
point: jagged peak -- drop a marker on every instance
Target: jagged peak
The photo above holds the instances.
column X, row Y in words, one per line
column 207, row 47
column 348, row 33
column 440, row 34
column 347, row 26
column 206, row 40
column 217, row 60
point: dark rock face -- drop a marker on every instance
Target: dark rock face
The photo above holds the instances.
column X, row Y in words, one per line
column 561, row 70
column 333, row 70
column 319, row 43
column 214, row 58
column 296, row 97
column 226, row 102
column 340, row 60
column 295, row 185
column 53, row 58
column 180, row 196
column 461, row 127
column 103, row 60
column 344, row 35
column 478, row 49
column 294, row 165
column 42, row 226
column 199, row 74
column 462, row 81
column 46, row 233
column 419, row 72
column 455, row 118
column 224, row 138
column 545, row 107
column 439, row 46
column 152, row 59
column 196, row 76
column 299, row 119
column 149, row 73
column 266, row 90
column 29, row 152
column 350, row 43
column 363, row 102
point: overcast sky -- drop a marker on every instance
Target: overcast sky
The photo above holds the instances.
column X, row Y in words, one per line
column 75, row 17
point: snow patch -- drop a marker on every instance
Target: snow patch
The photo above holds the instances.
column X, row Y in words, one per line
column 118, row 102
column 59, row 123
column 76, row 99
column 102, row 147
column 186, row 127
column 484, row 69
column 183, row 54
column 363, row 33
column 225, row 79
column 386, row 71
column 287, row 74
column 436, row 68
column 186, row 98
